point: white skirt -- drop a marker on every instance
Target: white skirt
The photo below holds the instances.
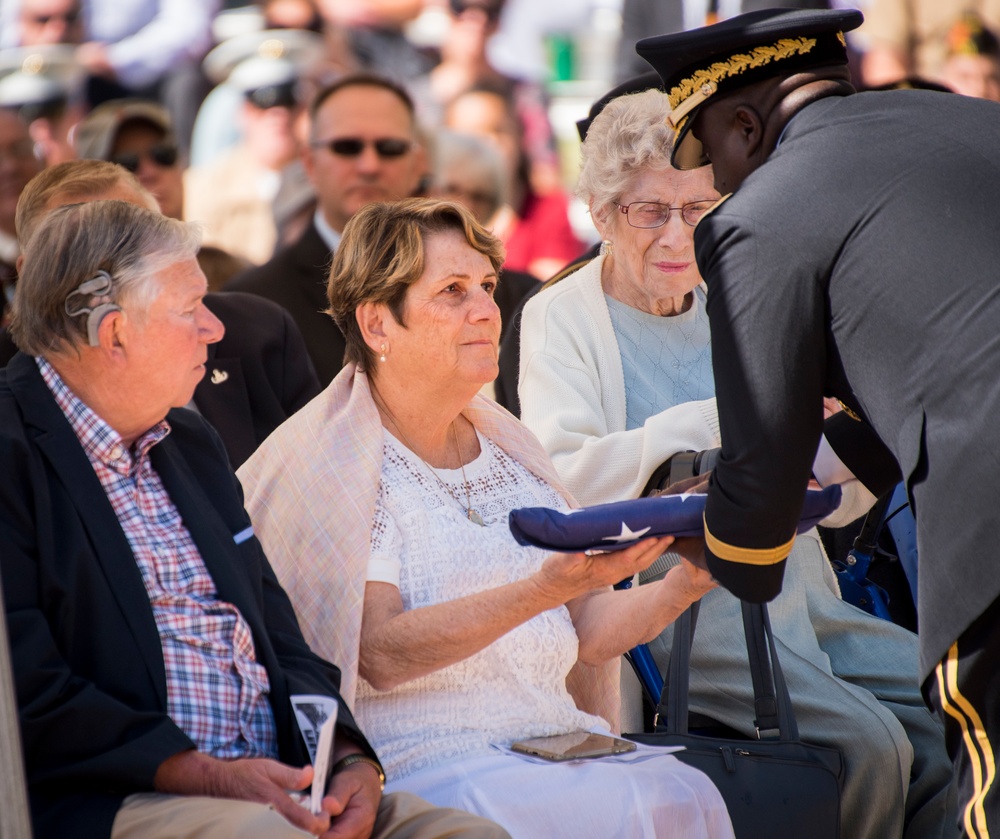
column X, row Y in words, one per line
column 647, row 794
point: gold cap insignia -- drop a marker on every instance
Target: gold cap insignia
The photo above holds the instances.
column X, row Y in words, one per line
column 703, row 83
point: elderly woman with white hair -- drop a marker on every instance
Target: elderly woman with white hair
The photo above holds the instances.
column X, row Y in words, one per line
column 616, row 377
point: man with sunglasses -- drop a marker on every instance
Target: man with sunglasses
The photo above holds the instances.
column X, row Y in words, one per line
column 136, row 134
column 364, row 146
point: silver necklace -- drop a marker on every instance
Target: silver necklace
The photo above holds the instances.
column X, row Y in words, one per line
column 470, row 514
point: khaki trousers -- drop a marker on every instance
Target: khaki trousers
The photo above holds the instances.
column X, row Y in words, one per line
column 400, row 816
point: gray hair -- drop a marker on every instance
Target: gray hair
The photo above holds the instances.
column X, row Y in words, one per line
column 469, row 153
column 71, row 246
column 629, row 136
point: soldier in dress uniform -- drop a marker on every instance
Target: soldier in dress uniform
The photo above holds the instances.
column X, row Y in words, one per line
column 857, row 258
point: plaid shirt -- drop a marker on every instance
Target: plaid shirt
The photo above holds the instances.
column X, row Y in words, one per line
column 217, row 693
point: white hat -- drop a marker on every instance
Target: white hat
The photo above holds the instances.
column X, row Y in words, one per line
column 95, row 134
column 38, row 75
column 265, row 66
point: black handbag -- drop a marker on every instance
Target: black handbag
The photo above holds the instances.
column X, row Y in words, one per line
column 775, row 786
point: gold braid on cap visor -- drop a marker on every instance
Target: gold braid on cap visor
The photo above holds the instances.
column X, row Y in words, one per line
column 694, row 90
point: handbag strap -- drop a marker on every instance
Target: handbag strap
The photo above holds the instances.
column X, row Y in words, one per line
column 772, row 703
column 773, row 712
column 675, row 687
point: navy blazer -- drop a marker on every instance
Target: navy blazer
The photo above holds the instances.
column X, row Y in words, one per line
column 87, row 660
column 257, row 376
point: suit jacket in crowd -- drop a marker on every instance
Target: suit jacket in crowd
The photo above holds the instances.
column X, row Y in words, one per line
column 257, row 376
column 295, row 277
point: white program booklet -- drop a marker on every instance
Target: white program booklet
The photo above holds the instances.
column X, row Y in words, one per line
column 317, row 718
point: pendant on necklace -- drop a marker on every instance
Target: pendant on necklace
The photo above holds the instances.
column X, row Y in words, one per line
column 475, row 518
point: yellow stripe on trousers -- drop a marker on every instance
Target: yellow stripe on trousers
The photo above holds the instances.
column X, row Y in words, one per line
column 977, row 744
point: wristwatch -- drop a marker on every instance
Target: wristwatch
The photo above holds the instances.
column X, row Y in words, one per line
column 344, row 762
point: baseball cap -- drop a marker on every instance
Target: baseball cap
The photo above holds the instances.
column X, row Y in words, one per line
column 95, row 135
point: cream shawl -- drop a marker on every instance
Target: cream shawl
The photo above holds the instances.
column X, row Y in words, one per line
column 311, row 490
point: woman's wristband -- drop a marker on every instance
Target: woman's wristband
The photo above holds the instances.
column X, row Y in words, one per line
column 344, row 762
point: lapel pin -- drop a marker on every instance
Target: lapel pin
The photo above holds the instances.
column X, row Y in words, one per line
column 219, row 376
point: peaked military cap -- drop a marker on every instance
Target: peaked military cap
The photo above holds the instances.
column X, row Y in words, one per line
column 265, row 66
column 39, row 79
column 701, row 63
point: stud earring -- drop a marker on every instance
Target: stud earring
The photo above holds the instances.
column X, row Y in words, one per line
column 382, row 357
column 606, row 247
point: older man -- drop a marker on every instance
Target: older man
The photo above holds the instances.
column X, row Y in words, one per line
column 857, row 255
column 155, row 655
column 363, row 147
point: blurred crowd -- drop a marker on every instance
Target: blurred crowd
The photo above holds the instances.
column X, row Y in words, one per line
column 233, row 82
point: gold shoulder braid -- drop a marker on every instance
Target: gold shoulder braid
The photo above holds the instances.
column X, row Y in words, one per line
column 695, row 89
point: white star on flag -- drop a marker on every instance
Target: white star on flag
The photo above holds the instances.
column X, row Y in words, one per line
column 627, row 534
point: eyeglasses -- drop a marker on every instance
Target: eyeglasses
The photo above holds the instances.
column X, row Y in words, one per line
column 162, row 154
column 353, row 146
column 648, row 214
column 473, row 196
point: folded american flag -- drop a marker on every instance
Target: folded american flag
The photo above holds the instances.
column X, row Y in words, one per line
column 611, row 527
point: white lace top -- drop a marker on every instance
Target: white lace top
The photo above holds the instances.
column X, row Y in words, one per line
column 423, row 542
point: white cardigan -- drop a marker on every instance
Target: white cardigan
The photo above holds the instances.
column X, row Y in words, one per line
column 572, row 391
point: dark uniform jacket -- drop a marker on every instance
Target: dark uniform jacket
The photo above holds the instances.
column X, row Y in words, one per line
column 87, row 660
column 257, row 376
column 861, row 261
column 295, row 278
